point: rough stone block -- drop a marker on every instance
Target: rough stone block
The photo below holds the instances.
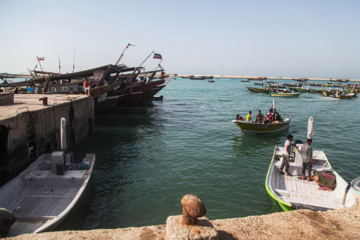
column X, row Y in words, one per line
column 203, row 230
column 6, row 99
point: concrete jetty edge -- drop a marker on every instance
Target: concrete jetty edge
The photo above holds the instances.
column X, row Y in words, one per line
column 300, row 224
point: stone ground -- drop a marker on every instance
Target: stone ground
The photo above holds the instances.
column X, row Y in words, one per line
column 300, row 224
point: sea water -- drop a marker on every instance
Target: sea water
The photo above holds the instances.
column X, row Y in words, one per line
column 149, row 156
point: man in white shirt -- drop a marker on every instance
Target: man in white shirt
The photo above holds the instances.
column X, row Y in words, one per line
column 286, row 155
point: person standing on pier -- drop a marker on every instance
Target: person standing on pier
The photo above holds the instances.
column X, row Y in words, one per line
column 86, row 86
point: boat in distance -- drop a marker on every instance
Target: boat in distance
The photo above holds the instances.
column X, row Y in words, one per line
column 252, row 89
column 293, row 193
column 42, row 195
column 284, row 94
column 253, row 127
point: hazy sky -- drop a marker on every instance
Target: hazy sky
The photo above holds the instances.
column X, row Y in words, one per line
column 289, row 38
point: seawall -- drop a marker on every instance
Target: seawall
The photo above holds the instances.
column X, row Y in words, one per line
column 29, row 128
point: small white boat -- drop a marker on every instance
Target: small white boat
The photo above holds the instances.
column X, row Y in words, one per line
column 293, row 193
column 43, row 194
column 284, row 94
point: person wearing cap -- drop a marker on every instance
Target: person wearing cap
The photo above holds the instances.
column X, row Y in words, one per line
column 248, row 117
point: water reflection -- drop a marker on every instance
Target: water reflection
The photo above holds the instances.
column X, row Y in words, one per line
column 254, row 143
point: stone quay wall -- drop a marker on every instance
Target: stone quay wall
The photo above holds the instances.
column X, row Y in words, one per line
column 28, row 128
column 6, row 98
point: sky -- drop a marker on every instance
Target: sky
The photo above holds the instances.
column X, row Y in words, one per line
column 288, row 38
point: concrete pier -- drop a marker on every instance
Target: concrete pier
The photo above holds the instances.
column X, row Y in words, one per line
column 30, row 126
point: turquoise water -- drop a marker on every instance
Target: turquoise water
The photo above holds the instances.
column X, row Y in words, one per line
column 150, row 156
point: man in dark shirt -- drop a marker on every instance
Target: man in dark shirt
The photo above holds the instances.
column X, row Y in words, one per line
column 278, row 117
column 259, row 117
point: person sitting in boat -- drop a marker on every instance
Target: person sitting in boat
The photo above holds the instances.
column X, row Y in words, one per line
column 248, row 117
column 238, row 117
column 7, row 219
column 259, row 117
column 269, row 118
column 306, row 155
column 277, row 117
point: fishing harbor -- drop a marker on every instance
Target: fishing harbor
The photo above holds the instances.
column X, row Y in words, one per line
column 140, row 147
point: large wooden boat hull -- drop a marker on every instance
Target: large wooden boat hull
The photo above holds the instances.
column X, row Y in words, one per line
column 149, row 94
column 132, row 98
column 106, row 103
column 251, row 127
column 295, row 94
column 40, row 198
column 148, row 86
column 293, row 193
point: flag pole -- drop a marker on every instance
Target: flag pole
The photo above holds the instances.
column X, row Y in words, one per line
column 59, row 65
column 74, row 60
column 122, row 54
column 159, row 64
column 39, row 63
column 139, row 66
column 146, row 59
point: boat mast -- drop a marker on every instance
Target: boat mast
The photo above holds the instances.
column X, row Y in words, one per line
column 74, row 60
column 122, row 54
column 59, row 65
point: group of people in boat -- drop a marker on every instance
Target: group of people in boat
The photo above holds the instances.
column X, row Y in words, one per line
column 272, row 117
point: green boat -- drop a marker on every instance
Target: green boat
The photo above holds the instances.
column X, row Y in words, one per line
column 252, row 127
column 251, row 89
column 315, row 90
column 283, row 94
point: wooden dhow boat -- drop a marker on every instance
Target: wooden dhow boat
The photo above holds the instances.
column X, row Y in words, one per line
column 43, row 194
column 293, row 193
